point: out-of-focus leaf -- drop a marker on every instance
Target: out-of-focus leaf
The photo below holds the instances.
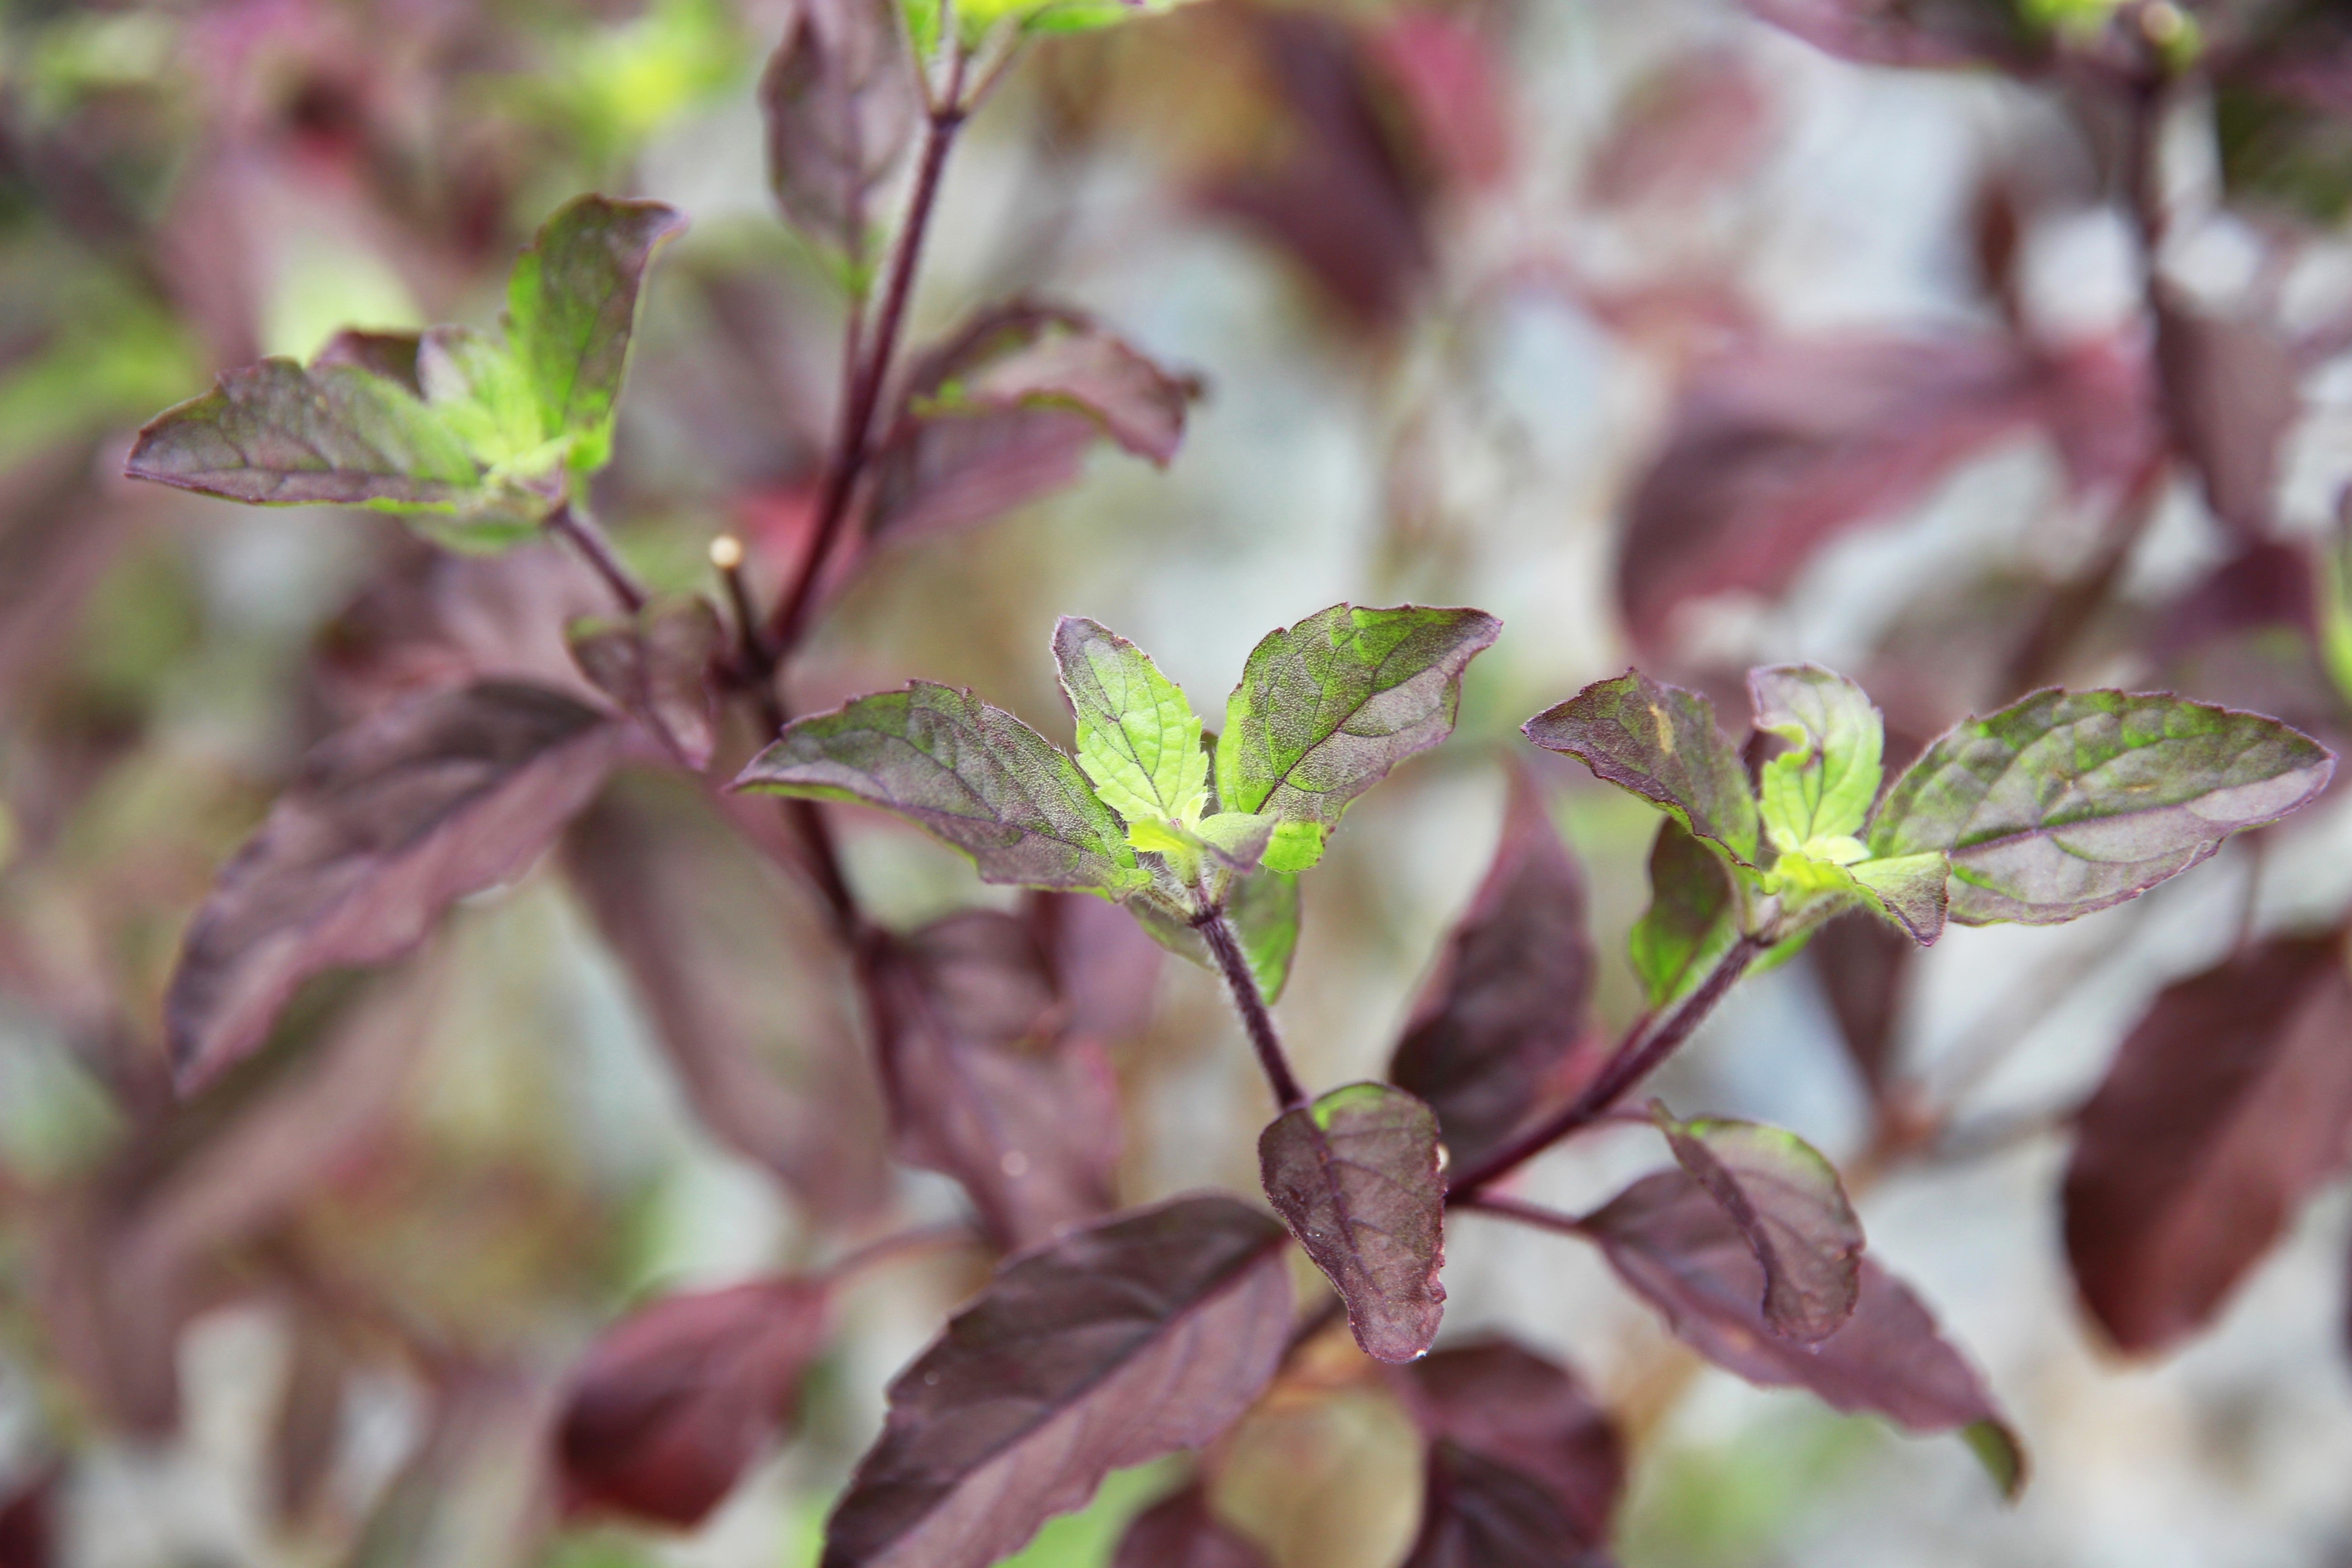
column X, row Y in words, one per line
column 2279, row 115
column 1181, row 1533
column 307, row 1425
column 658, row 665
column 1355, row 1175
column 1910, row 32
column 28, row 1529
column 1263, row 909
column 1325, row 708
column 732, row 965
column 2063, row 803
column 1513, row 1414
column 1696, row 124
column 980, row 1087
column 971, row 774
column 1107, row 1347
column 1006, row 411
column 1454, row 79
column 1661, row 742
column 1477, row 1514
column 1508, row 999
column 1680, row 1251
column 1139, row 739
column 840, row 97
column 1792, row 1210
column 2230, row 1100
column 571, row 311
column 671, row 1404
column 2233, row 388
column 1692, row 921
column 1824, row 785
column 387, row 824
column 1862, row 963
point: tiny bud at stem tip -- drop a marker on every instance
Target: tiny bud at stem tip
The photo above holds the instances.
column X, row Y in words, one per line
column 727, row 553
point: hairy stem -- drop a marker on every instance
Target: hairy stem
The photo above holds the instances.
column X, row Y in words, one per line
column 1637, row 1057
column 1218, row 933
column 575, row 527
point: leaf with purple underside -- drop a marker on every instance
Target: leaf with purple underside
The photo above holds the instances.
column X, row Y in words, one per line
column 671, row 1404
column 657, row 664
column 2228, row 1104
column 387, row 824
column 839, row 97
column 1107, row 1347
column 980, row 1084
column 1862, row 964
column 1181, row 1532
column 1677, row 1249
column 1792, row 1210
column 1355, row 1175
column 2064, row 803
column 1507, row 1002
column 1526, row 1416
column 1662, row 744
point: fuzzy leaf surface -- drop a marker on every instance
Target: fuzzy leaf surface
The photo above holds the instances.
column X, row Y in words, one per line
column 1692, row 921
column 1662, row 744
column 2229, row 1102
column 670, row 1406
column 571, row 311
column 1355, row 1175
column 1107, row 1347
column 2063, row 803
column 387, row 824
column 1509, row 997
column 840, row 97
column 1139, row 739
column 1791, row 1209
column 972, row 775
column 1325, row 708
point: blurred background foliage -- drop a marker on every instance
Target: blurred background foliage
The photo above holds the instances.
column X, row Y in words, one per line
column 1455, row 277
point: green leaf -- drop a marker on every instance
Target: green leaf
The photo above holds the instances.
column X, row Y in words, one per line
column 484, row 399
column 1692, row 921
column 976, row 17
column 572, row 310
column 1822, row 786
column 1139, row 739
column 1263, row 909
column 1662, row 744
column 922, row 25
column 971, row 774
column 1325, row 708
column 2064, row 803
column 1909, row 891
column 1294, row 847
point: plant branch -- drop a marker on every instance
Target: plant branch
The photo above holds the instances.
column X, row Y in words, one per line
column 899, row 1243
column 1535, row 1215
column 575, row 527
column 1636, row 1057
column 1226, row 948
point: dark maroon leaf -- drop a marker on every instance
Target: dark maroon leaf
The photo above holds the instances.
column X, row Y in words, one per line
column 1007, row 412
column 2267, row 583
column 658, row 665
column 1355, row 1175
column 1792, row 1210
column 1515, row 1409
column 1662, row 744
column 1107, row 1347
column 1181, row 1533
column 840, row 97
column 1908, row 32
column 1476, row 1513
column 1104, row 966
column 1861, row 962
column 2232, row 389
column 27, row 1524
column 2230, row 1100
column 1680, row 1251
column 387, row 824
column 1776, row 448
column 983, row 1087
column 1507, row 1002
column 671, row 1405
column 733, row 967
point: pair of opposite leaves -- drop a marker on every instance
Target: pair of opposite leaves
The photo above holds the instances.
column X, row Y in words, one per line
column 2054, row 806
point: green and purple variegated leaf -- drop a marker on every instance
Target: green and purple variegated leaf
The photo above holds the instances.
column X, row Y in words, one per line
column 1692, row 921
column 1662, row 744
column 2064, row 803
column 971, row 774
column 1792, row 1210
column 1355, row 1175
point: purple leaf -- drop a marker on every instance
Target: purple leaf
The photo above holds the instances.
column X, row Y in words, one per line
column 1516, row 1410
column 28, row 1529
column 840, row 97
column 1662, row 744
column 1477, row 1514
column 1908, row 32
column 388, row 824
column 1007, row 412
column 1355, row 1175
column 1791, row 1209
column 2229, row 1102
column 1507, row 1002
column 1861, row 963
column 1107, row 1347
column 658, row 665
column 982, row 1085
column 1181, row 1532
column 733, row 967
column 671, row 1405
column 2233, row 385
column 1679, row 1250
